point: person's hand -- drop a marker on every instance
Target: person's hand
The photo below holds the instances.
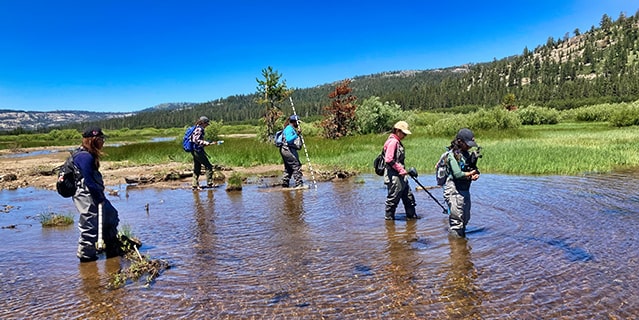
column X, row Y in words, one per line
column 474, row 177
column 412, row 172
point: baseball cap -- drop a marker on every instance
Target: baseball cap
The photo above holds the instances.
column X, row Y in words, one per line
column 204, row 119
column 93, row 132
column 467, row 136
column 294, row 118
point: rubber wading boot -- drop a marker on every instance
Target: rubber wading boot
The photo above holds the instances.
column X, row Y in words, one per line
column 91, row 259
column 196, row 182
column 457, row 233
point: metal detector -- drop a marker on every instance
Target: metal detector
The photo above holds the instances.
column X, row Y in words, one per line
column 430, row 194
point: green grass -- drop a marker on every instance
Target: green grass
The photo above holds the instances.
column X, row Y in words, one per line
column 52, row 219
column 567, row 148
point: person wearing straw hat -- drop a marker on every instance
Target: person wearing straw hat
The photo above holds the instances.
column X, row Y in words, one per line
column 395, row 175
column 89, row 197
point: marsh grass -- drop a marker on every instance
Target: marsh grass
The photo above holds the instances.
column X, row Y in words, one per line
column 234, row 182
column 564, row 148
column 137, row 267
column 52, row 219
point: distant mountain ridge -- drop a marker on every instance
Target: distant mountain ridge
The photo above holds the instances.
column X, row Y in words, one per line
column 42, row 120
column 36, row 120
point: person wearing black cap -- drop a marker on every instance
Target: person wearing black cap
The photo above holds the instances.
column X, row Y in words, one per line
column 457, row 186
column 90, row 195
column 288, row 150
column 200, row 158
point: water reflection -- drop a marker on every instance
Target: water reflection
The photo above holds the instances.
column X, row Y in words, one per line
column 204, row 227
column 539, row 247
column 460, row 289
column 404, row 263
column 96, row 299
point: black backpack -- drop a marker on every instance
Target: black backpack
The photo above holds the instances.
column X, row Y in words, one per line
column 68, row 177
column 379, row 164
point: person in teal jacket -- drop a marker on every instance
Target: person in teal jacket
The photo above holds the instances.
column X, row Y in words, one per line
column 292, row 165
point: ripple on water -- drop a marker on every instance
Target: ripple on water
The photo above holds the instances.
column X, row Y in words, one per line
column 537, row 247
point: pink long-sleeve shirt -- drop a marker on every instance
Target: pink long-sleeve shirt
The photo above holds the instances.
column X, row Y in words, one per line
column 390, row 148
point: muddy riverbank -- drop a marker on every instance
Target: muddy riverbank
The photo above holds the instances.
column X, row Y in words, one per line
column 36, row 167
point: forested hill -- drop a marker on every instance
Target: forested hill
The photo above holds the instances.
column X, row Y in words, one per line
column 583, row 67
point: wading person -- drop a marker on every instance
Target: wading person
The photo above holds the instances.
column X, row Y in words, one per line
column 395, row 175
column 288, row 150
column 200, row 158
column 90, row 196
column 462, row 172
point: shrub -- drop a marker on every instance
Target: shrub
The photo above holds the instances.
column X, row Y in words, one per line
column 374, row 116
column 495, row 118
column 534, row 115
column 596, row 113
column 625, row 115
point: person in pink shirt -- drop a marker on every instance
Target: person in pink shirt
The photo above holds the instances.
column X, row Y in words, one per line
column 395, row 175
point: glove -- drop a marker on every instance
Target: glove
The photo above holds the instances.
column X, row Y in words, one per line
column 412, row 172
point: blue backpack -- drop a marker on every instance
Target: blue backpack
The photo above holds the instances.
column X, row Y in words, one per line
column 187, row 144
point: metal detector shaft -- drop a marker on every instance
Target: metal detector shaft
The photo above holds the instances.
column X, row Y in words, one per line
column 305, row 150
column 100, row 244
column 430, row 194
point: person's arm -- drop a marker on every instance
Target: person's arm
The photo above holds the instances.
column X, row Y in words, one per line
column 456, row 170
column 84, row 162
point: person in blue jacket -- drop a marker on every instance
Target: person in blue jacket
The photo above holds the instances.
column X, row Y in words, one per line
column 292, row 165
column 89, row 195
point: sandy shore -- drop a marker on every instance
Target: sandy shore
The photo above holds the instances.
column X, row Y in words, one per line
column 36, row 167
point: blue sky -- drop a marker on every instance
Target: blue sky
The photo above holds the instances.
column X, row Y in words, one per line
column 121, row 56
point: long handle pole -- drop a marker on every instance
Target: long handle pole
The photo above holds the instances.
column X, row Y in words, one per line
column 430, row 194
column 305, row 150
column 100, row 244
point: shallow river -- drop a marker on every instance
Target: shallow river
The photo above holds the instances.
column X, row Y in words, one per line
column 537, row 248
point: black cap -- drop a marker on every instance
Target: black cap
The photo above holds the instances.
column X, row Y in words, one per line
column 92, row 132
column 467, row 136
